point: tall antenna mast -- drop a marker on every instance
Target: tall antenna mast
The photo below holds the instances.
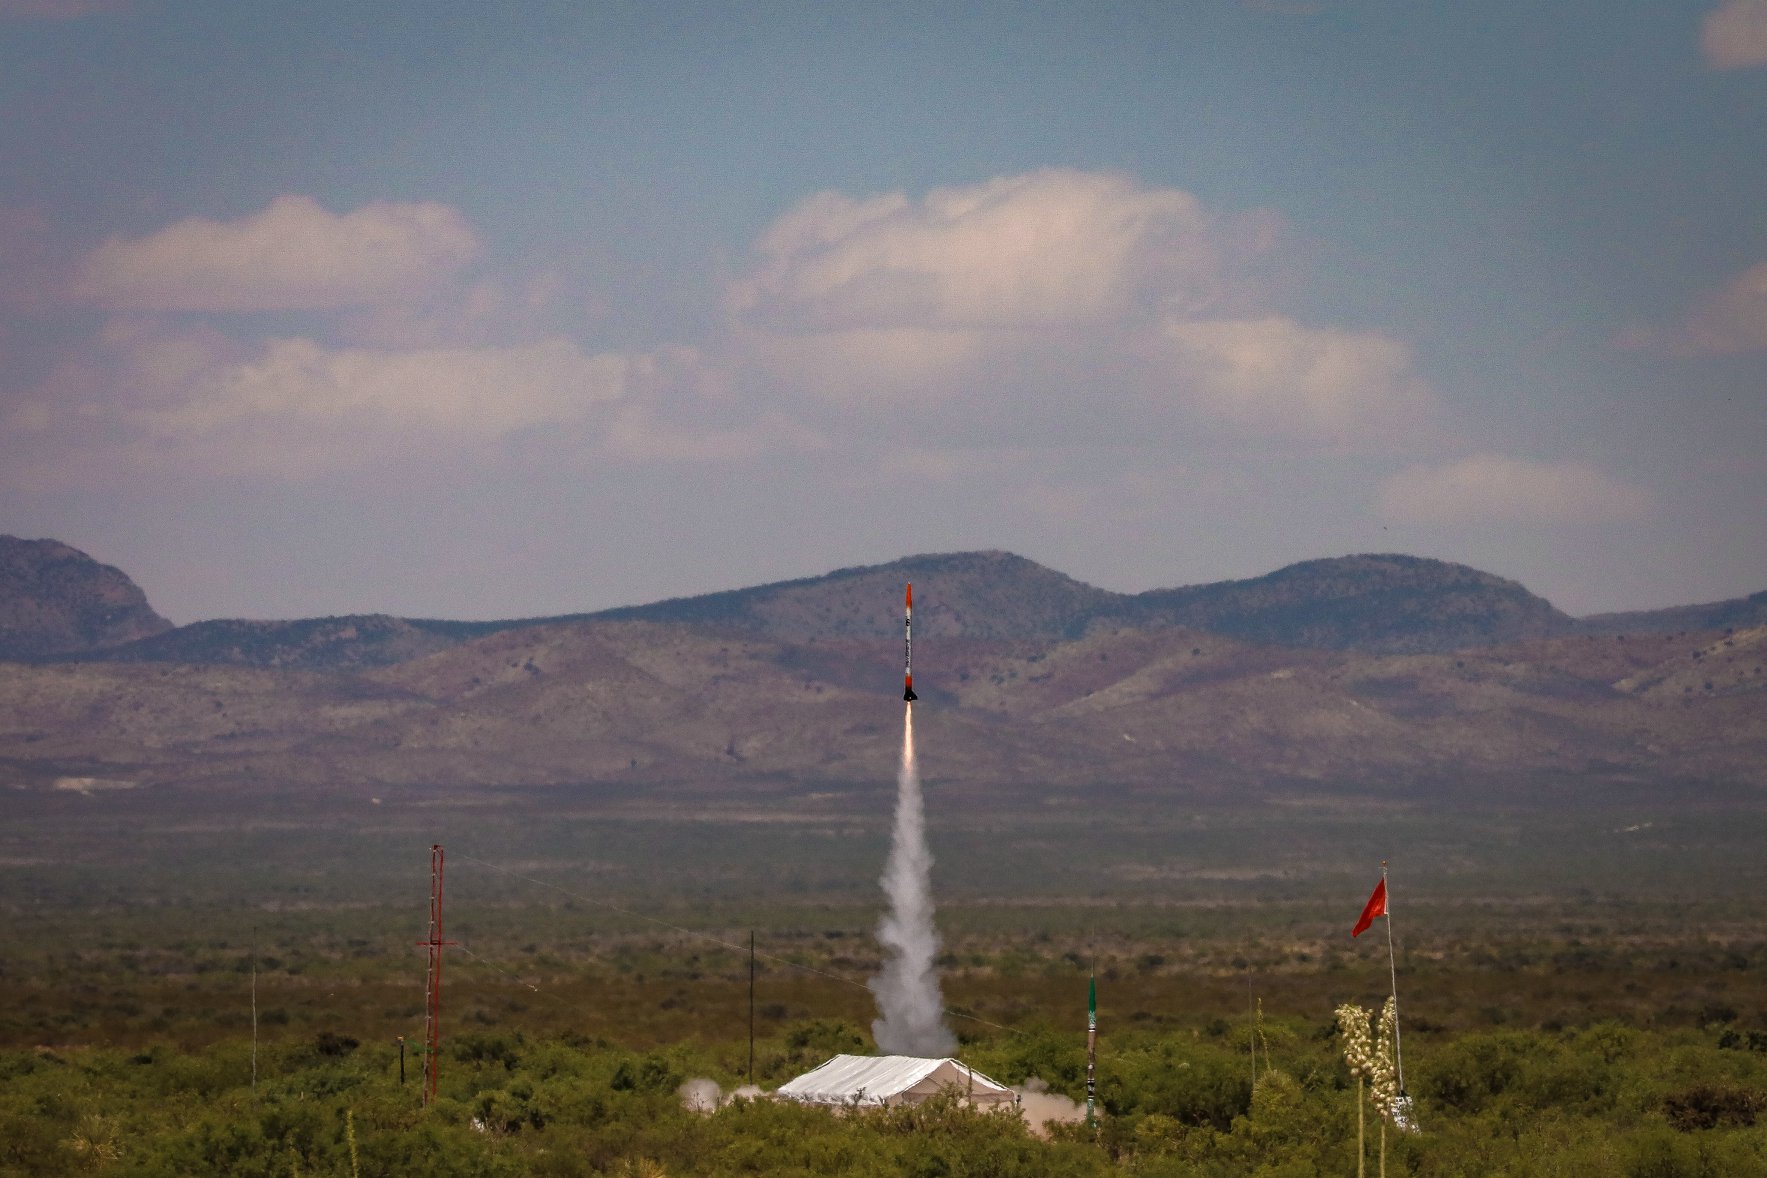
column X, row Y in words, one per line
column 432, row 1022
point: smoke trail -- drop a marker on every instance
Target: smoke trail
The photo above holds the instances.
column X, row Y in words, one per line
column 907, row 990
column 1042, row 1108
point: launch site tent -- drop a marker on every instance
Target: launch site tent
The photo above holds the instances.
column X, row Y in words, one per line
column 874, row 1081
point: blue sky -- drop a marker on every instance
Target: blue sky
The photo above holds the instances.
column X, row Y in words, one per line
column 480, row 310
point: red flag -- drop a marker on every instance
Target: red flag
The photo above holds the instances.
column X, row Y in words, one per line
column 1377, row 906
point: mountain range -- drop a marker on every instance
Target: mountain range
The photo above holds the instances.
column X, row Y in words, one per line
column 1371, row 672
column 57, row 600
column 57, row 603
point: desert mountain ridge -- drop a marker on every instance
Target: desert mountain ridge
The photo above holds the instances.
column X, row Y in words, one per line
column 55, row 600
column 1032, row 685
column 1377, row 603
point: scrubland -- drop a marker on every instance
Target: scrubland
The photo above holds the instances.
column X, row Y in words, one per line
column 1583, row 980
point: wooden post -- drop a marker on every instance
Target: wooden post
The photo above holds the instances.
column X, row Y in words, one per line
column 751, row 1008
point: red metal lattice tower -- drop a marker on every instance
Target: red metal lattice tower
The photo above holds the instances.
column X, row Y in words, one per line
column 432, row 1022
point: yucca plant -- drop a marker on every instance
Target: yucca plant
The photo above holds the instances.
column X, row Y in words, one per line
column 1359, row 1055
column 97, row 1140
column 1371, row 1061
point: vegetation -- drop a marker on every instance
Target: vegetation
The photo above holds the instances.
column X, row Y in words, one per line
column 1585, row 988
column 1601, row 1099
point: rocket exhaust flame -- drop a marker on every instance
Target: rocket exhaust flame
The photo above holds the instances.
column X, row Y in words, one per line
column 908, row 998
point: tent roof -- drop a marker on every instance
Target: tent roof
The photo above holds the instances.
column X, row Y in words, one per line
column 891, row 1079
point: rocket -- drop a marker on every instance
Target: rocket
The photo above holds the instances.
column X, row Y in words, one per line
column 908, row 646
column 1091, row 1049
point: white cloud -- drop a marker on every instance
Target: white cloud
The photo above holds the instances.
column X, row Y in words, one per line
column 1057, row 301
column 1053, row 248
column 1492, row 488
column 294, row 255
column 201, row 404
column 468, row 392
column 1735, row 34
column 293, row 408
column 1731, row 319
column 1279, row 376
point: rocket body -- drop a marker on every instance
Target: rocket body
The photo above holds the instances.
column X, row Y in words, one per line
column 908, row 646
column 1091, row 1049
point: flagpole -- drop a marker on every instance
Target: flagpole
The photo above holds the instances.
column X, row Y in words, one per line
column 1393, row 968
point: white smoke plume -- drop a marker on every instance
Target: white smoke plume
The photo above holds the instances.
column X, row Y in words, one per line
column 908, row 998
column 1042, row 1108
column 700, row 1095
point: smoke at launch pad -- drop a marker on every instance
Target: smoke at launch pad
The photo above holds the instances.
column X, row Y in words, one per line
column 911, row 1008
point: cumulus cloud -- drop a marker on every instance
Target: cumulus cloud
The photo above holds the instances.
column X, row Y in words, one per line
column 294, row 408
column 1081, row 300
column 1735, row 34
column 1053, row 248
column 201, row 403
column 1493, row 488
column 463, row 391
column 294, row 255
column 1280, row 376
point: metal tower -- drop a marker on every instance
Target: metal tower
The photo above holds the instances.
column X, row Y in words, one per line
column 432, row 1022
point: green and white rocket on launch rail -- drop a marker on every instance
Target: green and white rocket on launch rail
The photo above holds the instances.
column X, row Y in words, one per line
column 1091, row 1048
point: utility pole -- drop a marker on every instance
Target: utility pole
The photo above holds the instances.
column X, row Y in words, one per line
column 432, row 1022
column 751, row 1008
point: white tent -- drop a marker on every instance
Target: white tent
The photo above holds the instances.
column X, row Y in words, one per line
column 873, row 1081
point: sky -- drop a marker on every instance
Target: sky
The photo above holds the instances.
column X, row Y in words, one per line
column 484, row 310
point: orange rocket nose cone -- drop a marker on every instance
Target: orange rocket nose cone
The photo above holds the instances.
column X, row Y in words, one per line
column 908, row 600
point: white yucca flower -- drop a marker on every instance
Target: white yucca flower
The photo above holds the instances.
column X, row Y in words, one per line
column 1370, row 1056
column 1358, row 1050
column 1384, row 1078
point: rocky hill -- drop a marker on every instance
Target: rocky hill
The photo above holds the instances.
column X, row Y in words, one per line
column 1379, row 673
column 56, row 600
column 667, row 710
column 989, row 595
column 1736, row 614
column 1386, row 604
column 310, row 644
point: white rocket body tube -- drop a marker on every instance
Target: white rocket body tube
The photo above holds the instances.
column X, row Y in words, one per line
column 908, row 646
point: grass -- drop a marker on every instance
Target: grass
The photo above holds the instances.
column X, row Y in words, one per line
column 135, row 918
